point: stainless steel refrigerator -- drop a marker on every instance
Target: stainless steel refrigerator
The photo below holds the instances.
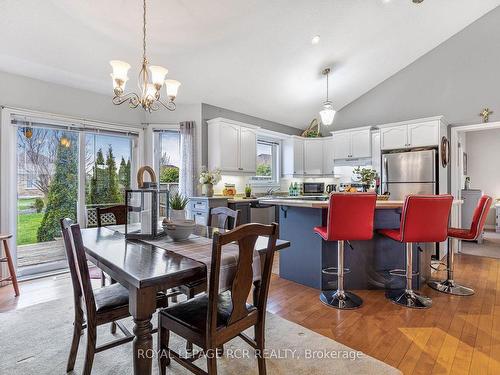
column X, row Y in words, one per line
column 411, row 172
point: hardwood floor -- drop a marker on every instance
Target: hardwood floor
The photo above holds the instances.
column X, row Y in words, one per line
column 458, row 335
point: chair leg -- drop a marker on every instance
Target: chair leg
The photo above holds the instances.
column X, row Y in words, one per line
column 259, row 340
column 89, row 354
column 163, row 356
column 75, row 342
column 12, row 270
column 448, row 286
column 189, row 345
column 113, row 328
column 340, row 298
column 212, row 365
column 408, row 297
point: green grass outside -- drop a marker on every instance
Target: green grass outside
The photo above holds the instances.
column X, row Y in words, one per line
column 25, row 203
column 27, row 227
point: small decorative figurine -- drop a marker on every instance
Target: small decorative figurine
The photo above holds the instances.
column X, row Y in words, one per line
column 485, row 114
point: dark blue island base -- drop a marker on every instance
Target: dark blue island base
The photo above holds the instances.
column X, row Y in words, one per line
column 369, row 262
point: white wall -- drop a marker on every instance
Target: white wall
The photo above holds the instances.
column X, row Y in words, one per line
column 483, row 152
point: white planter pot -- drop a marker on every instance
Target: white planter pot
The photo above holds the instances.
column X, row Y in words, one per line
column 177, row 214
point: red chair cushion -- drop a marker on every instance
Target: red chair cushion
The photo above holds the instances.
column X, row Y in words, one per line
column 395, row 234
column 478, row 221
column 424, row 219
column 350, row 217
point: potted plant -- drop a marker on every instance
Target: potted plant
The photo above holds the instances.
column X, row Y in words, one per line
column 248, row 191
column 208, row 179
column 178, row 205
column 367, row 176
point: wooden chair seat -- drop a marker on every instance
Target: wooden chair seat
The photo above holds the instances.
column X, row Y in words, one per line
column 193, row 313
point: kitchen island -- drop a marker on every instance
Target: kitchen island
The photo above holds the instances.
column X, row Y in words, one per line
column 369, row 262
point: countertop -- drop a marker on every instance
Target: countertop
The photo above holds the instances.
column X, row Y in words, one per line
column 318, row 204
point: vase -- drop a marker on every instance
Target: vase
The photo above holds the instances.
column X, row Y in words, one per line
column 209, row 190
column 177, row 214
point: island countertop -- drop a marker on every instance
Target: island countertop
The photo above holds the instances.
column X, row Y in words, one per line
column 324, row 204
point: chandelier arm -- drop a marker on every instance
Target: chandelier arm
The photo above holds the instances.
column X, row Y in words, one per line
column 132, row 98
column 169, row 105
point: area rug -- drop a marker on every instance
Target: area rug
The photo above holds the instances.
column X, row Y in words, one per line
column 489, row 248
column 36, row 340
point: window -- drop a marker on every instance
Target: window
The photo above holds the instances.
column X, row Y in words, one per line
column 168, row 151
column 267, row 163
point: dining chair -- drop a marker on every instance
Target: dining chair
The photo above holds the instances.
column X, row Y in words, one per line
column 214, row 318
column 4, row 238
column 114, row 215
column 224, row 217
column 93, row 307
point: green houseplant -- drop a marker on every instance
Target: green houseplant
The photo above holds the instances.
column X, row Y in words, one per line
column 366, row 175
column 178, row 204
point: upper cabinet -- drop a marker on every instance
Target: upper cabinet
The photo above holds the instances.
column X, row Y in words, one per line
column 410, row 135
column 313, row 156
column 293, row 156
column 232, row 146
column 328, row 156
column 352, row 144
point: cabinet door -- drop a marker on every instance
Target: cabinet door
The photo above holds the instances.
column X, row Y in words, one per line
column 424, row 134
column 298, row 156
column 361, row 144
column 313, row 157
column 328, row 156
column 229, row 150
column 376, row 154
column 394, row 137
column 341, row 145
column 248, row 150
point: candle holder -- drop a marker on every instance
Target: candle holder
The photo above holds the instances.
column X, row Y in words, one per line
column 146, row 209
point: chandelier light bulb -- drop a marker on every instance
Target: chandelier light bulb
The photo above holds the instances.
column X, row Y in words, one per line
column 120, row 69
column 158, row 74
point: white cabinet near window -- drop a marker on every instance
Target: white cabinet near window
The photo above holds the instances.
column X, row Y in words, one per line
column 293, row 156
column 352, row 144
column 232, row 146
column 408, row 135
column 328, row 156
column 313, row 156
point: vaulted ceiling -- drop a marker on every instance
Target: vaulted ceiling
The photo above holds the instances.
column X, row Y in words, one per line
column 252, row 56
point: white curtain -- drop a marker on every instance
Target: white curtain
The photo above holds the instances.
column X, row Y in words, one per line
column 187, row 177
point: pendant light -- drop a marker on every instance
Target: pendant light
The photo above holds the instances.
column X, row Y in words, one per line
column 327, row 113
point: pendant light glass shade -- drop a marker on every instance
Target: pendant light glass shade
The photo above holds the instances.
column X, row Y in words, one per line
column 327, row 114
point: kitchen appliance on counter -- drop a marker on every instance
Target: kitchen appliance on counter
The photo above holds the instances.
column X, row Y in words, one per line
column 331, row 188
column 313, row 188
column 344, row 186
column 409, row 172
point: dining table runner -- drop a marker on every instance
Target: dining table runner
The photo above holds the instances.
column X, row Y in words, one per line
column 200, row 249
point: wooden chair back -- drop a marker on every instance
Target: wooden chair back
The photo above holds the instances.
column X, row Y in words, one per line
column 245, row 236
column 118, row 211
column 70, row 256
column 219, row 218
column 81, row 269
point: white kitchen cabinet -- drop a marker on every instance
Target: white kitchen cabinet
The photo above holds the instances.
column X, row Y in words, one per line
column 293, row 156
column 328, row 156
column 408, row 135
column 232, row 146
column 376, row 153
column 248, row 150
column 313, row 156
column 423, row 134
column 352, row 144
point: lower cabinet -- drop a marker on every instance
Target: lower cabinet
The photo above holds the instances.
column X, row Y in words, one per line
column 244, row 208
column 199, row 208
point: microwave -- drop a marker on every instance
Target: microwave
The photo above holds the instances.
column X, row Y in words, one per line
column 313, row 188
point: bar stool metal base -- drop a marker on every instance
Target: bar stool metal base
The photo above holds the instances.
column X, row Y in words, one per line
column 343, row 300
column 449, row 287
column 408, row 298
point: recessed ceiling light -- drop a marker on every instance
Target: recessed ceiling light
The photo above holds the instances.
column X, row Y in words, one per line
column 315, row 39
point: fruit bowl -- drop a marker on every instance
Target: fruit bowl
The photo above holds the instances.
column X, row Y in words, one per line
column 179, row 230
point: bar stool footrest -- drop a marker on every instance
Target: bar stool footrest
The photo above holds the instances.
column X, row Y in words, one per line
column 401, row 273
column 334, row 271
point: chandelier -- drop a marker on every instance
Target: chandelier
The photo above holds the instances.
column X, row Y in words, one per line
column 150, row 82
column 327, row 113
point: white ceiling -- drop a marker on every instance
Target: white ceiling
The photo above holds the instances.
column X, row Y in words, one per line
column 251, row 56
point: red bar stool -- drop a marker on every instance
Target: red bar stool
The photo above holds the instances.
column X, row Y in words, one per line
column 424, row 219
column 477, row 226
column 8, row 259
column 350, row 218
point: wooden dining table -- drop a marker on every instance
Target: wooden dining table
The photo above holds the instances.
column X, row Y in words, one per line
column 146, row 269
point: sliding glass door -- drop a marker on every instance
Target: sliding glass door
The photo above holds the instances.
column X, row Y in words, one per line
column 47, row 190
column 168, row 157
column 64, row 172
